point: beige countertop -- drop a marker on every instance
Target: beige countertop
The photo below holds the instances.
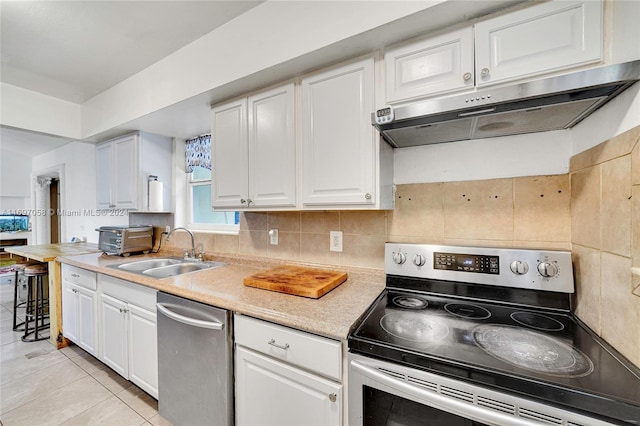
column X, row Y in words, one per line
column 49, row 252
column 332, row 315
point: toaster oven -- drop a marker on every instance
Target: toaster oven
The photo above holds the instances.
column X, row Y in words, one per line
column 124, row 240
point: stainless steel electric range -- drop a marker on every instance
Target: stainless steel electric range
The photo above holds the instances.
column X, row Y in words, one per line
column 474, row 336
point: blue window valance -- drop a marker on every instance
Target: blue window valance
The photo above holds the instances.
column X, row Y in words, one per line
column 198, row 153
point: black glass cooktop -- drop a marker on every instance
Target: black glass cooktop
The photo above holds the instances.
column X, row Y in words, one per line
column 540, row 353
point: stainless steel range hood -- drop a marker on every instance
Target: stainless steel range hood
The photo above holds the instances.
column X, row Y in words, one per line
column 551, row 103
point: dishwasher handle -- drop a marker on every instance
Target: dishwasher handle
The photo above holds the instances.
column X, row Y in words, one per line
column 164, row 309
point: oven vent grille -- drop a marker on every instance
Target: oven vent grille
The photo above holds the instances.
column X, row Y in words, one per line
column 496, row 405
column 457, row 393
column 535, row 415
column 424, row 383
column 392, row 373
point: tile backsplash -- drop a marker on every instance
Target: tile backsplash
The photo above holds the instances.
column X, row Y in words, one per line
column 518, row 212
column 605, row 237
column 594, row 211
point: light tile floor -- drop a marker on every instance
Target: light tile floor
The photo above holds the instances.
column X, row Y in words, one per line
column 40, row 385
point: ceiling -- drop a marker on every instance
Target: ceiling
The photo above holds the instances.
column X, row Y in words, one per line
column 74, row 50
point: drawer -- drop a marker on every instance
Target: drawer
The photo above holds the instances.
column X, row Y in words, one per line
column 126, row 291
column 79, row 276
column 305, row 350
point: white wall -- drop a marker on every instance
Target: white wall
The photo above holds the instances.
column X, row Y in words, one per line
column 545, row 153
column 30, row 110
column 15, row 175
column 79, row 190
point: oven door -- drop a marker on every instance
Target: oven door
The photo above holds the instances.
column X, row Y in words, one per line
column 382, row 393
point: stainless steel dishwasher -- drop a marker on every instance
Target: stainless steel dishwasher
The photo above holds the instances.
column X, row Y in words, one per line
column 195, row 364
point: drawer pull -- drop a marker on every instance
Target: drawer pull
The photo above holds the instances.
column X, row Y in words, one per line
column 272, row 342
column 75, row 275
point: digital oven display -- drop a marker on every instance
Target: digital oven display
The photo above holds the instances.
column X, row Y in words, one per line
column 383, row 112
column 466, row 263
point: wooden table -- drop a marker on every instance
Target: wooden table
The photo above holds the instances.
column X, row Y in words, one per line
column 48, row 253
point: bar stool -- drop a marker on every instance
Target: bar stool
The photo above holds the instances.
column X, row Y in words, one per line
column 19, row 268
column 37, row 306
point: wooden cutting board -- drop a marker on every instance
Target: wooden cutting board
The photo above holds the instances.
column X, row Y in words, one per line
column 297, row 280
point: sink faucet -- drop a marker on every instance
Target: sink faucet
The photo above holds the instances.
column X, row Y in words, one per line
column 187, row 256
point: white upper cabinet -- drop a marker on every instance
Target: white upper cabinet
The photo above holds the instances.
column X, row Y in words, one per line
column 125, row 173
column 229, row 149
column 547, row 37
column 123, row 166
column 254, row 151
column 272, row 148
column 271, row 152
column 438, row 64
column 339, row 150
column 104, row 173
column 543, row 38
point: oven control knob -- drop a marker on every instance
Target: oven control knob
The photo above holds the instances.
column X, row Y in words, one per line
column 519, row 267
column 547, row 269
column 399, row 258
column 419, row 260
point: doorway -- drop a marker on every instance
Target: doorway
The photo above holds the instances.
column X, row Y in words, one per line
column 48, row 202
column 54, row 209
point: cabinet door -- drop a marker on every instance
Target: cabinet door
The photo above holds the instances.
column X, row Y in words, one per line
column 272, row 148
column 338, row 147
column 543, row 38
column 272, row 393
column 87, row 314
column 113, row 334
column 125, row 172
column 431, row 66
column 143, row 349
column 70, row 312
column 104, row 161
column 229, row 149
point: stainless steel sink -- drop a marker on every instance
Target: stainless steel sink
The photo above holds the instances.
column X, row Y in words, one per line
column 142, row 265
column 165, row 267
column 179, row 269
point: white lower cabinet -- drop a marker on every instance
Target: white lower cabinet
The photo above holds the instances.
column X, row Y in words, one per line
column 285, row 377
column 128, row 336
column 80, row 308
column 113, row 334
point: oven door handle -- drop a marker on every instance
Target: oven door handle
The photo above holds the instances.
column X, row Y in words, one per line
column 441, row 402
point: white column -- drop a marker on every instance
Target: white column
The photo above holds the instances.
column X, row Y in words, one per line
column 42, row 219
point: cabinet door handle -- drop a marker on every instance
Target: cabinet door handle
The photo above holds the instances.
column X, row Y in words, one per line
column 75, row 275
column 242, row 201
column 484, row 72
column 333, row 397
column 367, row 196
column 466, row 76
column 272, row 342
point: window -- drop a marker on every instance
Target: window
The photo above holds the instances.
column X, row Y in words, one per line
column 198, row 166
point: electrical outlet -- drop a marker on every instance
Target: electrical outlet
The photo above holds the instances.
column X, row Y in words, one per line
column 273, row 237
column 335, row 241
